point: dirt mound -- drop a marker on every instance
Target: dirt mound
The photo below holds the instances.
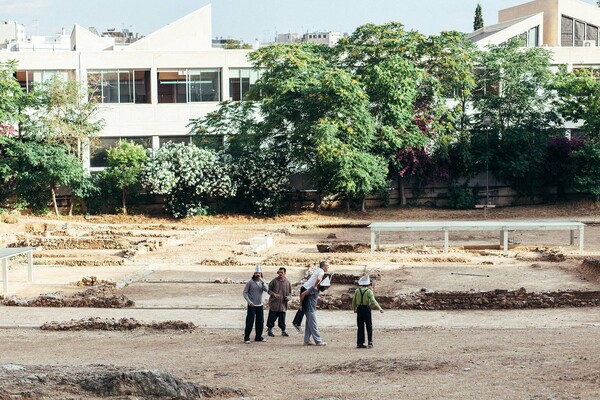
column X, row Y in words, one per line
column 383, row 366
column 343, row 247
column 590, row 269
column 96, row 297
column 230, row 261
column 96, row 381
column 111, row 324
column 543, row 254
column 93, row 281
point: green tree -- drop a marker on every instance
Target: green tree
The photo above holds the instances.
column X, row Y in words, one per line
column 560, row 166
column 124, row 168
column 63, row 116
column 517, row 96
column 579, row 99
column 478, row 20
column 408, row 77
column 40, row 169
column 309, row 107
column 587, row 159
column 232, row 44
column 345, row 169
column 515, row 88
column 14, row 101
column 385, row 59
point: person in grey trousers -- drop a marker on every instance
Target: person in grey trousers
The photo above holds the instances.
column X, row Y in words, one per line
column 253, row 292
column 310, row 311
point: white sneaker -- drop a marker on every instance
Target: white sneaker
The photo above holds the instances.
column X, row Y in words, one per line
column 246, row 342
column 321, row 343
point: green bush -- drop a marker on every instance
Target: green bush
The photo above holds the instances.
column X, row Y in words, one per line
column 461, row 198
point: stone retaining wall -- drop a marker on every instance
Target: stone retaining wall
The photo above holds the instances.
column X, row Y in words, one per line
column 494, row 299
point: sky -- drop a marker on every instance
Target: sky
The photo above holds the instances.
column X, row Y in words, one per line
column 251, row 19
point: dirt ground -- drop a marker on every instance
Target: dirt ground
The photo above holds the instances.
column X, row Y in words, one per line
column 483, row 354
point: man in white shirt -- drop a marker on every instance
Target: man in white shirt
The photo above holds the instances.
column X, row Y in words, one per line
column 313, row 282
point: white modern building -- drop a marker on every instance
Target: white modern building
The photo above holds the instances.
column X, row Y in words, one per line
column 148, row 89
column 569, row 29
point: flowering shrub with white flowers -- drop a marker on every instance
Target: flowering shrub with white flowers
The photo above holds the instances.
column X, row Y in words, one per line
column 188, row 176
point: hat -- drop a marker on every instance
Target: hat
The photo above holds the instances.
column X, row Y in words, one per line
column 258, row 269
column 364, row 280
column 326, row 282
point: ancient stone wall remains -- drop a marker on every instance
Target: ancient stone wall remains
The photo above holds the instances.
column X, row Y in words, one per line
column 490, row 300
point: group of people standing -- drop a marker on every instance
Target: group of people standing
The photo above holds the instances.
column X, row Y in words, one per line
column 280, row 290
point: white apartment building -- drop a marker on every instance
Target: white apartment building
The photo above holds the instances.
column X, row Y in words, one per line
column 326, row 38
column 149, row 89
column 11, row 32
column 321, row 37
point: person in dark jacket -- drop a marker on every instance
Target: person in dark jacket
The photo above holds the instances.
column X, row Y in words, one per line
column 280, row 290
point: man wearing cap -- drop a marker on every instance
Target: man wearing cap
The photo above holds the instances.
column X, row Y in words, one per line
column 253, row 292
column 279, row 292
column 361, row 304
column 309, row 298
column 312, row 282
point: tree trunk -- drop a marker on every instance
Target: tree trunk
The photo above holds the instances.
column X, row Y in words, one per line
column 83, row 206
column 54, row 200
column 402, row 192
column 363, row 207
column 348, row 205
column 318, row 202
column 71, row 204
column 123, row 197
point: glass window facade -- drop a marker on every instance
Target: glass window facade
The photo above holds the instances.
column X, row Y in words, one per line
column 28, row 79
column 189, row 85
column 529, row 38
column 241, row 81
column 575, row 33
column 120, row 86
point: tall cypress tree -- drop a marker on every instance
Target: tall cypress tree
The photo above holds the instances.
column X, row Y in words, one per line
column 478, row 21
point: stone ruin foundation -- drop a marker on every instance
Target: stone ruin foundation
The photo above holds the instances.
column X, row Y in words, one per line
column 103, row 296
column 473, row 300
column 112, row 324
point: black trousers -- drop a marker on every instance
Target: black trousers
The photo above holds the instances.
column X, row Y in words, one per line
column 278, row 316
column 255, row 316
column 363, row 320
column 300, row 313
